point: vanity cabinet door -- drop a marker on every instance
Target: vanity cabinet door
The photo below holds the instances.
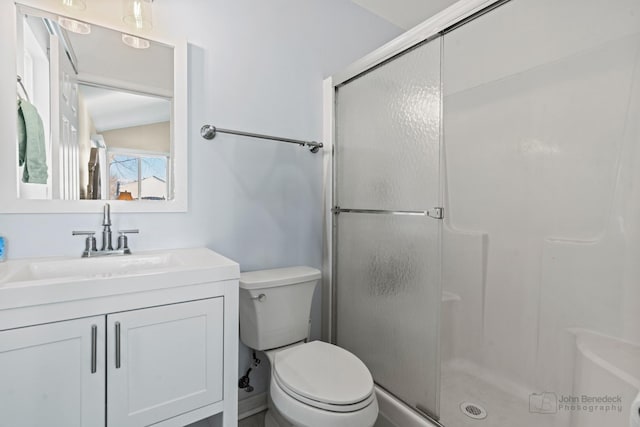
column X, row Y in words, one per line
column 53, row 374
column 163, row 361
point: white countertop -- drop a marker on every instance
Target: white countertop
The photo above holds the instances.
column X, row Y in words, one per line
column 42, row 281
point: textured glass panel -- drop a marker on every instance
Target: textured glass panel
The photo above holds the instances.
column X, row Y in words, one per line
column 388, row 298
column 388, row 267
column 388, row 134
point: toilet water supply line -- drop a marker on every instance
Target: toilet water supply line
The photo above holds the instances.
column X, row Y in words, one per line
column 244, row 381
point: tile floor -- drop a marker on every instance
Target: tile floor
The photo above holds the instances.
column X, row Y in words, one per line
column 203, row 423
column 503, row 408
column 256, row 420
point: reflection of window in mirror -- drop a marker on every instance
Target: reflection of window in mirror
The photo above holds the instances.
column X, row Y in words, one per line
column 135, row 131
column 137, row 175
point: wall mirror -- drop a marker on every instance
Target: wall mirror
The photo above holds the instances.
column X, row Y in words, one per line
column 110, row 123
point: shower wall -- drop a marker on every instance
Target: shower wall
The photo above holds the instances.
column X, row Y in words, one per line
column 541, row 247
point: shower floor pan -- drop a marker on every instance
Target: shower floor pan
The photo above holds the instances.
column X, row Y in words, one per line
column 459, row 385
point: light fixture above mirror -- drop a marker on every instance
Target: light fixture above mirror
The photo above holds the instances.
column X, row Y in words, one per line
column 67, row 82
column 138, row 14
column 75, row 4
column 135, row 13
column 135, row 42
column 74, row 26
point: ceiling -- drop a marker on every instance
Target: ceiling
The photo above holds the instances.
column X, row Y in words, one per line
column 113, row 109
column 405, row 14
column 102, row 53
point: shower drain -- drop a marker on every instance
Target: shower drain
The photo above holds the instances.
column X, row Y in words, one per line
column 472, row 410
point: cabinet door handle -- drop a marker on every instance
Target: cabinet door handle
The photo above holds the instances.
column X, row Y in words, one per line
column 94, row 349
column 118, row 361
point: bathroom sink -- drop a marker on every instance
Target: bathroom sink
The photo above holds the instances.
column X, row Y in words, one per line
column 87, row 268
column 46, row 280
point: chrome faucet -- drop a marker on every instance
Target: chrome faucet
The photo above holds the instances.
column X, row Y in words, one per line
column 90, row 249
column 106, row 228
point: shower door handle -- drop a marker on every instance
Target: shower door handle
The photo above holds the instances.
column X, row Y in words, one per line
column 337, row 210
column 435, row 213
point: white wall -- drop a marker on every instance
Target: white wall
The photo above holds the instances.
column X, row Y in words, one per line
column 155, row 137
column 255, row 66
column 405, row 13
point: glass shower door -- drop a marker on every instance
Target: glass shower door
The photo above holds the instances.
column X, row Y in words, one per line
column 387, row 227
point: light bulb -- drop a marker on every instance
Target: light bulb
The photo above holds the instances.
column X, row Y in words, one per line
column 75, row 4
column 74, row 26
column 137, row 13
column 135, row 42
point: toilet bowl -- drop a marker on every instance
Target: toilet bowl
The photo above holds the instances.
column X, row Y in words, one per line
column 313, row 384
column 319, row 385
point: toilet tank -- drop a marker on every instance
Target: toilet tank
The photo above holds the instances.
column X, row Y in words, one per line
column 275, row 306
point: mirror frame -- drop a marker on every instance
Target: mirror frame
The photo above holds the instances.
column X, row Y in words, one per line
column 9, row 184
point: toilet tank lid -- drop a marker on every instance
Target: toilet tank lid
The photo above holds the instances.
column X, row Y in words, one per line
column 278, row 277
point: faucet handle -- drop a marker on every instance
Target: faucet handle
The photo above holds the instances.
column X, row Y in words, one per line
column 83, row 233
column 123, row 241
column 133, row 231
column 90, row 243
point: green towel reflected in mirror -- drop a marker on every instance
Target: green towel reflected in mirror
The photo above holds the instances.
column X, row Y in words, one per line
column 31, row 145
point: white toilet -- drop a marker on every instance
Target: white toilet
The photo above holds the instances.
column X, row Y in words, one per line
column 313, row 384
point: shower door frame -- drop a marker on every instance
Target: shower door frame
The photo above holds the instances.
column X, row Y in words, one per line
column 458, row 14
column 450, row 18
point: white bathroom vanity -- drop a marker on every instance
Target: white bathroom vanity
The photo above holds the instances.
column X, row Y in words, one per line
column 129, row 341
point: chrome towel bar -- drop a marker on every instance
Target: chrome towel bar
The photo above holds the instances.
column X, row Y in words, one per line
column 210, row 132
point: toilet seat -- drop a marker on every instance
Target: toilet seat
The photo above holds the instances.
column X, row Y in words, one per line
column 324, row 376
column 323, row 405
column 300, row 414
